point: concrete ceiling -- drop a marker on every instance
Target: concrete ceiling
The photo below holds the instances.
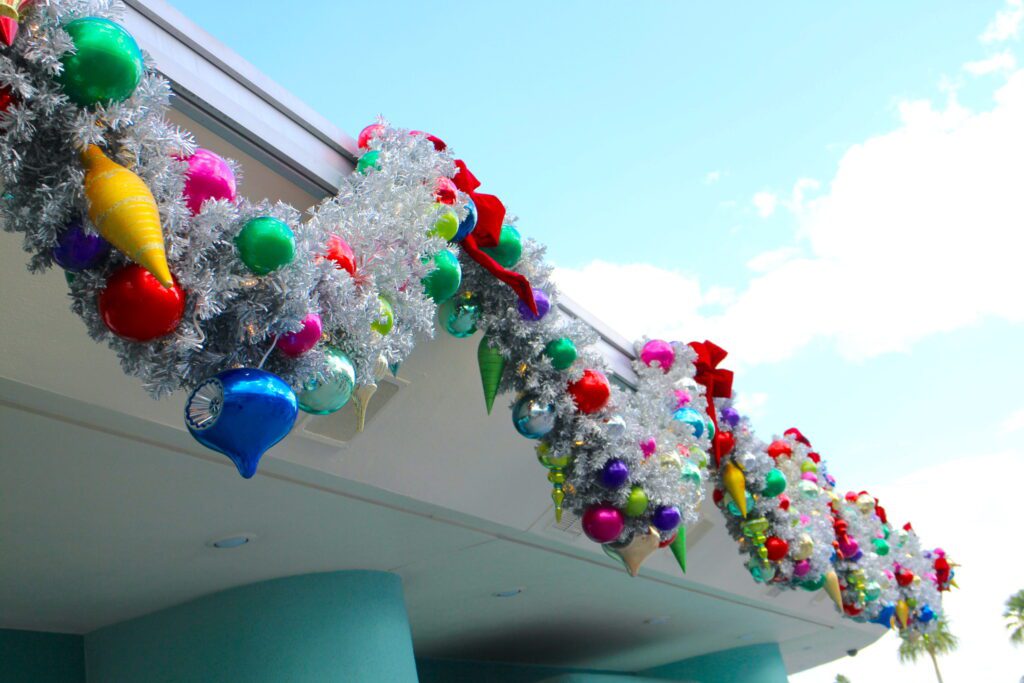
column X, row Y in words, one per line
column 106, row 507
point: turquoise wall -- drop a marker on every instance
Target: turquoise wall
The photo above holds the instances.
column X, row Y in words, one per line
column 340, row 626
column 459, row 671
column 753, row 664
column 41, row 657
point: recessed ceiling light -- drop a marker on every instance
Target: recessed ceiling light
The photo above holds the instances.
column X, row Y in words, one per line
column 233, row 541
column 657, row 621
column 510, row 593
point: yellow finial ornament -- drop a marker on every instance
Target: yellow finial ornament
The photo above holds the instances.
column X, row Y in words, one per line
column 736, row 485
column 123, row 210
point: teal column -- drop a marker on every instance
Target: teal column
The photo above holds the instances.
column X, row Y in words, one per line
column 41, row 657
column 752, row 664
column 338, row 626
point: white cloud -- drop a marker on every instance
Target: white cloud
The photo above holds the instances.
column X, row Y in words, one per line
column 1006, row 24
column 751, row 404
column 765, row 203
column 712, row 177
column 1014, row 422
column 964, row 519
column 919, row 232
column 1003, row 61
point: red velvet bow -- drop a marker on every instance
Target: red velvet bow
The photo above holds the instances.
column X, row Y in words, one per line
column 717, row 381
column 487, row 233
column 797, row 436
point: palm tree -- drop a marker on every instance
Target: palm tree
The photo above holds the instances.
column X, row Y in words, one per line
column 938, row 642
column 840, row 678
column 1014, row 615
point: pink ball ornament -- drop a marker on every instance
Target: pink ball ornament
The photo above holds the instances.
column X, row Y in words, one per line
column 805, row 520
column 682, row 398
column 369, row 133
column 209, row 177
column 660, row 352
column 809, row 476
column 295, row 344
column 603, row 523
column 648, row 446
column 801, row 568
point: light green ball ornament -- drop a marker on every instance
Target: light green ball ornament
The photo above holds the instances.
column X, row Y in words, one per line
column 774, row 483
column 509, row 249
column 550, row 460
column 808, row 466
column 106, row 65
column 386, row 319
column 330, row 392
column 265, row 244
column 442, row 282
column 808, row 488
column 370, row 160
column 446, row 226
column 637, row 502
column 562, row 353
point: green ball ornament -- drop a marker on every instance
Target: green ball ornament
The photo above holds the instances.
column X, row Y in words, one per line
column 459, row 316
column 808, row 466
column 562, row 353
column 386, row 319
column 637, row 502
column 330, row 392
column 710, row 428
column 106, row 65
column 813, row 584
column 509, row 249
column 774, row 483
column 265, row 244
column 442, row 282
column 446, row 226
column 872, row 591
column 881, row 546
column 547, row 458
column 370, row 160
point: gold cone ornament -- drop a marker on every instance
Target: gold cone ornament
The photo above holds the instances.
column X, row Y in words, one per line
column 832, row 588
column 902, row 613
column 736, row 485
column 124, row 212
column 634, row 553
column 365, row 392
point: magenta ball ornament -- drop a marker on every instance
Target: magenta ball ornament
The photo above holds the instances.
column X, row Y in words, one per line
column 659, row 352
column 294, row 344
column 208, row 177
column 603, row 523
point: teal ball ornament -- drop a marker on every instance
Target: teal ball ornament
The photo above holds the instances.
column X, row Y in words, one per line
column 106, row 65
column 329, row 391
column 459, row 316
column 532, row 418
column 693, row 418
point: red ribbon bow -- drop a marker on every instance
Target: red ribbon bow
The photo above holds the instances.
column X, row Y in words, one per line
column 718, row 383
column 487, row 233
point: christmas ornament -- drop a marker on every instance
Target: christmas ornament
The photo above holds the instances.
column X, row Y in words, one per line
column 134, row 306
column 735, row 483
column 77, row 249
column 342, row 254
column 590, row 392
column 124, row 212
column 364, row 392
column 603, row 523
column 543, row 306
column 804, row 547
column 7, row 97
column 614, row 474
column 265, row 244
column 10, row 15
column 467, row 224
column 442, row 282
column 241, row 413
column 106, row 65
column 777, row 548
column 658, row 353
column 439, row 144
column 774, row 483
column 459, row 316
column 637, row 502
column 369, row 133
column 902, row 613
column 446, row 226
column 330, row 390
column 294, row 344
column 368, row 162
column 556, row 465
column 666, row 518
column 636, row 551
column 801, row 568
column 731, row 416
column 734, row 508
column 925, row 614
column 678, row 548
column 778, row 449
column 509, row 249
column 690, row 473
column 881, row 546
column 492, row 366
column 445, row 191
column 562, row 352
column 833, row 590
column 904, row 577
column 386, row 318
column 693, row 418
column 532, row 418
column 209, row 177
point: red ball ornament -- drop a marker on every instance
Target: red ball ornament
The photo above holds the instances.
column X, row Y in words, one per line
column 369, row 133
column 590, row 392
column 783, row 501
column 851, row 610
column 779, row 448
column 777, row 548
column 666, row 542
column 815, row 457
column 342, row 254
column 135, row 306
column 717, row 496
column 6, row 99
column 445, row 191
column 904, row 577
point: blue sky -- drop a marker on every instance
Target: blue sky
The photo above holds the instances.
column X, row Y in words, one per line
column 830, row 191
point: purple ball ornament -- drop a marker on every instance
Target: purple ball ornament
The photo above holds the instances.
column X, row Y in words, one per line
column 731, row 416
column 209, row 177
column 543, row 306
column 603, row 523
column 614, row 474
column 78, row 249
column 294, row 344
column 660, row 352
column 666, row 518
